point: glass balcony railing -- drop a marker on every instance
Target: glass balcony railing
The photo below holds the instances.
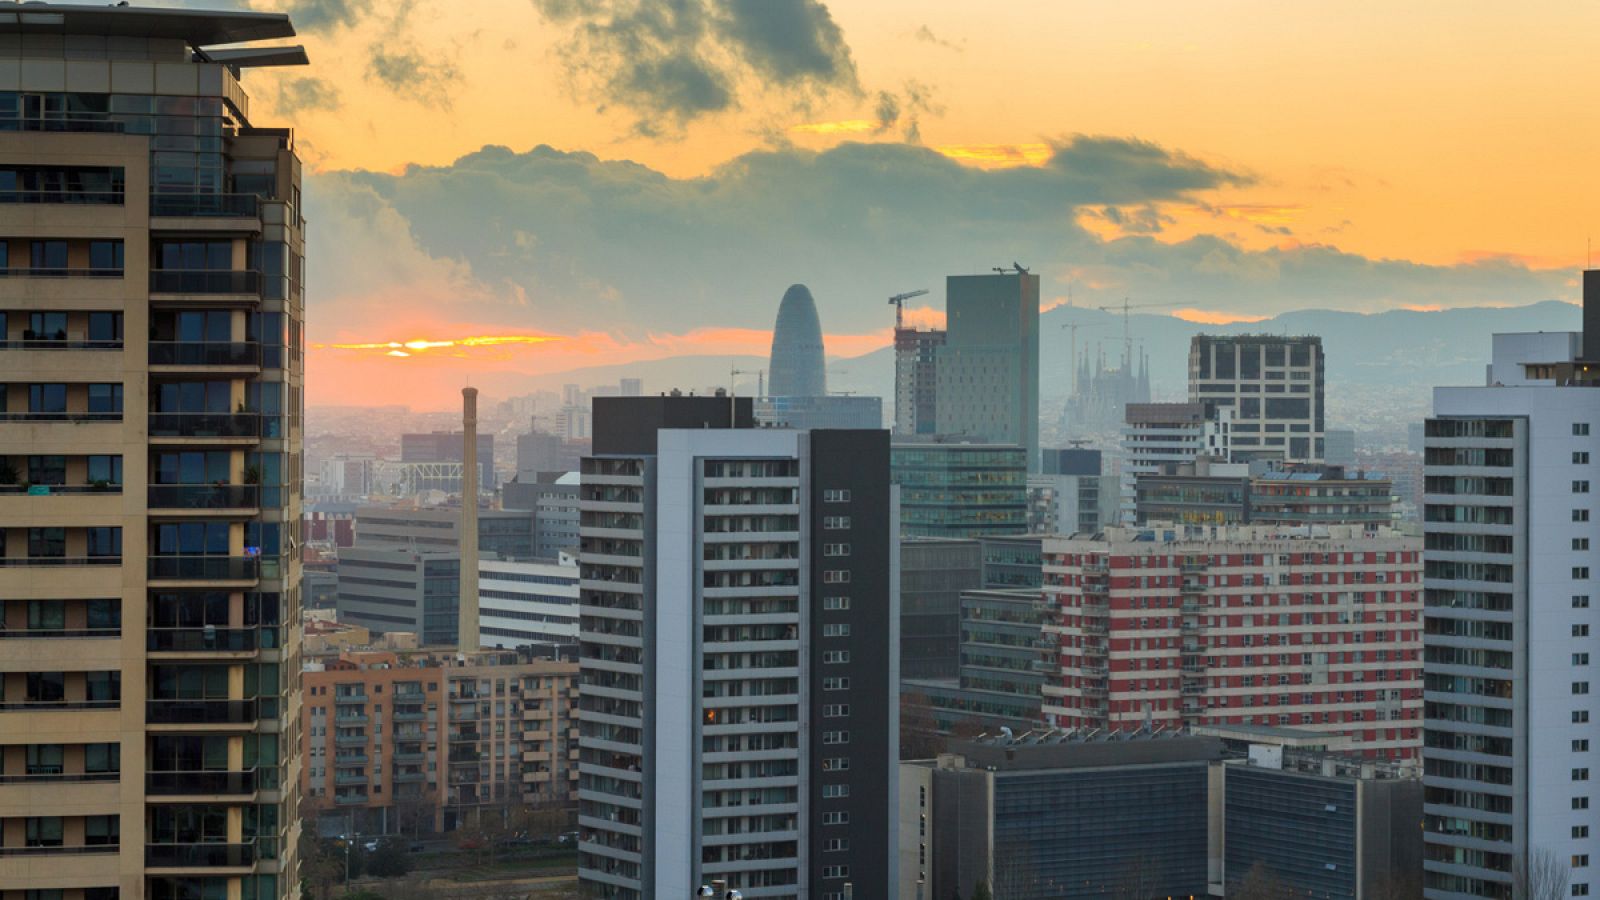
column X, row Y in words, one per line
column 199, row 856
column 200, row 640
column 204, row 496
column 205, row 353
column 205, row 205
column 60, row 272
column 201, row 712
column 57, row 850
column 56, row 705
column 51, row 343
column 204, row 568
column 205, row 424
column 76, row 198
column 205, row 281
column 177, row 784
column 62, row 416
column 12, row 562
column 45, row 634
column 60, row 778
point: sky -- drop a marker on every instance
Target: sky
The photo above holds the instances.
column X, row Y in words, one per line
column 611, row 180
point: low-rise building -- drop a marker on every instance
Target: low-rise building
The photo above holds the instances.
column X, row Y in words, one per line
column 418, row 742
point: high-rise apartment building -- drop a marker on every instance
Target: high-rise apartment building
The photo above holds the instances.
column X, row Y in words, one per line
column 1509, row 515
column 1273, row 386
column 738, row 644
column 152, row 320
column 988, row 367
column 1239, row 625
column 916, row 380
column 1156, row 435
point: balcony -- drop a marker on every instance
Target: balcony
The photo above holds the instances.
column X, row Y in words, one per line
column 409, row 757
column 223, row 354
column 76, row 416
column 204, row 568
column 354, row 697
column 233, row 426
column 67, row 197
column 33, row 778
column 60, row 272
column 56, row 705
column 30, row 342
column 344, row 780
column 200, row 856
column 201, row 640
column 350, row 799
column 350, row 759
column 205, row 282
column 409, row 715
column 205, row 498
column 201, row 712
column 14, row 852
column 351, row 721
column 350, row 740
column 59, row 490
column 58, row 634
column 193, row 783
column 226, row 206
column 403, row 777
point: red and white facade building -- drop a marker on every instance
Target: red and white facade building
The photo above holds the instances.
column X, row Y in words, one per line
column 1238, row 625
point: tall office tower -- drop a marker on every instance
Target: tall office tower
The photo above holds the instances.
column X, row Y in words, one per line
column 738, row 593
column 1156, row 435
column 988, row 368
column 797, row 367
column 1509, row 520
column 960, row 489
column 1238, row 625
column 152, row 323
column 1273, row 385
column 916, row 380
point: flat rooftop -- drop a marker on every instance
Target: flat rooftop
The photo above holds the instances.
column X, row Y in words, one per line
column 199, row 28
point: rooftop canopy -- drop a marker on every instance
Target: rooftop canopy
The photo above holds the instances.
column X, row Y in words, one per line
column 199, row 28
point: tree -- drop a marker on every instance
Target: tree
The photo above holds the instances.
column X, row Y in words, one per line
column 1259, row 884
column 417, row 811
column 1541, row 875
column 389, row 860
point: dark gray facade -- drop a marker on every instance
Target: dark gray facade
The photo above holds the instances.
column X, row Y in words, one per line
column 988, row 367
column 933, row 575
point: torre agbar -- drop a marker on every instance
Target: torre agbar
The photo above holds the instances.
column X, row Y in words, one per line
column 149, row 485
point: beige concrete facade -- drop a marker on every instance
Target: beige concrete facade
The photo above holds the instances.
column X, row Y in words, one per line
column 150, row 315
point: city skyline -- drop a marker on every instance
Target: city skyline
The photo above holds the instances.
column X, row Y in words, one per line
column 463, row 205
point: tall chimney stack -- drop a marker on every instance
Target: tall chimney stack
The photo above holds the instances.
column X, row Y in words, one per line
column 467, row 623
column 1591, row 315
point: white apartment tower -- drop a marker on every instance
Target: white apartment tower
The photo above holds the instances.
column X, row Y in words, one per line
column 1510, row 759
column 1273, row 386
column 1160, row 434
column 738, row 596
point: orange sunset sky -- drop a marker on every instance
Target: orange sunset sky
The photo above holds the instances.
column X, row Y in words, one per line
column 1234, row 159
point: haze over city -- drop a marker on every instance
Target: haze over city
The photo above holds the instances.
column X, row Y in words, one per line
column 643, row 180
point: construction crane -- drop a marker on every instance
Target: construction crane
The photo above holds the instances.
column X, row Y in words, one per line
column 761, row 378
column 1127, row 333
column 899, row 301
column 1015, row 268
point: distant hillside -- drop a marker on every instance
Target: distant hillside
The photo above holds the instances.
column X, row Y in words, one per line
column 1399, row 349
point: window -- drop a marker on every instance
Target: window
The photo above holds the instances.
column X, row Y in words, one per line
column 1580, row 487
column 1577, row 630
column 830, row 657
column 836, row 683
column 835, row 523
column 105, row 468
column 48, row 257
column 43, row 831
column 835, row 549
column 1581, row 889
column 105, row 327
column 836, row 576
column 47, row 469
column 1580, row 802
column 1580, row 716
column 1580, row 601
column 835, row 871
column 834, row 845
column 1580, row 515
column 1580, row 429
column 835, row 710
column 1580, row 659
column 835, row 737
column 835, row 603
column 105, row 398
column 836, row 818
column 836, row 764
column 1580, row 687
column 836, row 495
column 1580, row 774
column 47, row 398
column 1580, row 543
column 836, row 630
column 101, row 831
column 1580, row 831
column 1580, row 457
column 835, row 791
column 105, row 258
column 104, row 541
column 1580, row 745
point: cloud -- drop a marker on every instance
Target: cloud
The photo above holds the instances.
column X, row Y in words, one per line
column 324, row 15
column 303, row 94
column 404, row 70
column 675, row 61
column 546, row 241
column 926, row 36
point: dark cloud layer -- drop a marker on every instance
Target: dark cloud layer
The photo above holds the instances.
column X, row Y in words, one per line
column 673, row 61
column 402, row 69
column 573, row 242
column 303, row 94
column 325, row 15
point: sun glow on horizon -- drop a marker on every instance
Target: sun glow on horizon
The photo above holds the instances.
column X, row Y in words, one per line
column 403, row 349
column 1214, row 316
